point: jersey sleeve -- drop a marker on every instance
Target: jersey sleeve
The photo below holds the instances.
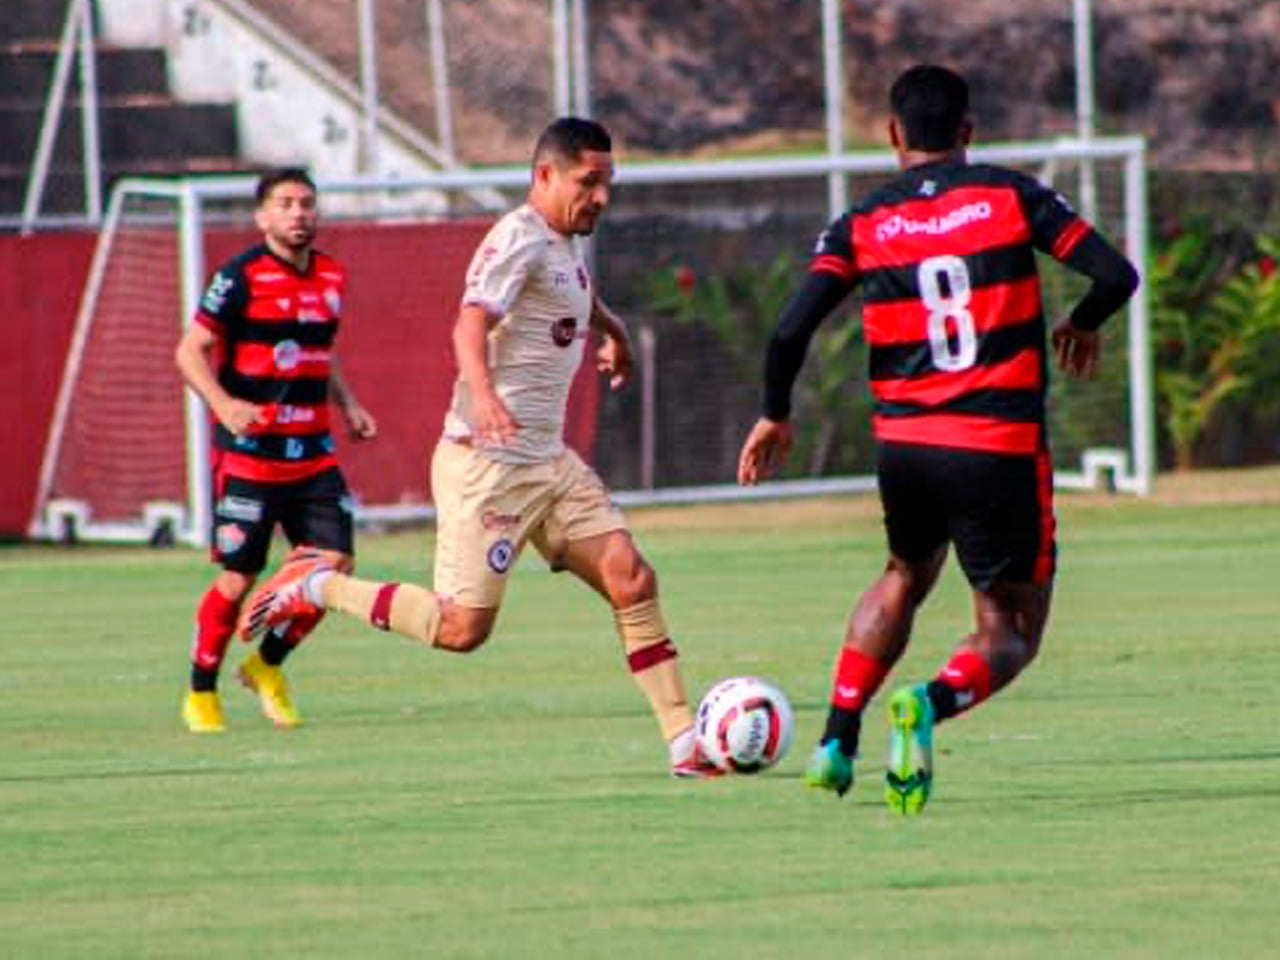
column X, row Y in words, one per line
column 506, row 259
column 833, row 254
column 224, row 302
column 1055, row 227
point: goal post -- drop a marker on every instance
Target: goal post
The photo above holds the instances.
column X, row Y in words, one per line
column 127, row 456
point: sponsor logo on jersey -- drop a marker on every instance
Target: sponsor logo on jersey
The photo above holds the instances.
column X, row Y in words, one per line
column 563, row 331
column 293, row 449
column 960, row 217
column 245, row 442
column 240, row 508
column 311, row 308
column 288, row 354
column 230, row 537
column 288, row 413
column 500, row 555
column 215, row 297
column 333, row 299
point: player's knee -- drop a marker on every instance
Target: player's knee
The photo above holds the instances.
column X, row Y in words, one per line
column 634, row 583
column 463, row 630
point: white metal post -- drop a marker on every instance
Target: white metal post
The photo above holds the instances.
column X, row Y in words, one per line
column 52, row 113
column 581, row 60
column 833, row 76
column 191, row 260
column 91, row 145
column 1141, row 404
column 1083, row 33
column 440, row 76
column 369, row 158
column 560, row 51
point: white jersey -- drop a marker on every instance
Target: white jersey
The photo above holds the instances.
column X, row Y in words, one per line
column 534, row 279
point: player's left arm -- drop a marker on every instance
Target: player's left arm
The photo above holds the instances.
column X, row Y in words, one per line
column 615, row 358
column 359, row 420
column 1058, row 230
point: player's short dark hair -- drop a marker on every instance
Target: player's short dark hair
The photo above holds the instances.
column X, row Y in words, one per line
column 271, row 179
column 932, row 104
column 566, row 138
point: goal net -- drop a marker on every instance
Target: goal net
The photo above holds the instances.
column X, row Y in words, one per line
column 698, row 257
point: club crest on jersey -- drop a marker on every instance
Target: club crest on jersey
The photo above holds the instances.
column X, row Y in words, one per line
column 500, row 555
column 563, row 331
column 287, row 354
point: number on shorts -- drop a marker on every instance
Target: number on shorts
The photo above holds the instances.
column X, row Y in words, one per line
column 954, row 345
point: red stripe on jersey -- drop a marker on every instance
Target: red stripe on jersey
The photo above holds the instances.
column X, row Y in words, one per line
column 1069, row 238
column 906, row 321
column 830, row 263
column 961, row 221
column 1023, row 371
column 1042, row 571
column 284, row 361
column 272, row 471
column 959, row 431
column 295, row 419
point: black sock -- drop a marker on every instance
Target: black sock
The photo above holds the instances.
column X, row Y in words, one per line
column 203, row 681
column 274, row 648
column 843, row 726
column 943, row 699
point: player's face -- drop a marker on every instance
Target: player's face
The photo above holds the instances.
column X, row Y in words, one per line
column 288, row 216
column 576, row 194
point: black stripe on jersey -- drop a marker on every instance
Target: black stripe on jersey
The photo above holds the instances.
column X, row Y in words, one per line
column 278, row 391
column 273, row 332
column 268, row 447
column 1019, row 406
column 914, row 359
column 988, row 268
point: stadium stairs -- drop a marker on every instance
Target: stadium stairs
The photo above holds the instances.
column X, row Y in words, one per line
column 143, row 130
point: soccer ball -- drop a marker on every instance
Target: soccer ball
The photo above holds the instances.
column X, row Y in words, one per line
column 744, row 725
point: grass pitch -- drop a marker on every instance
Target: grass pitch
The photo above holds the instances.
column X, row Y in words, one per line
column 1121, row 800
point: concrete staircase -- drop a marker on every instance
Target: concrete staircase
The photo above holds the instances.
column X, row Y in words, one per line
column 142, row 128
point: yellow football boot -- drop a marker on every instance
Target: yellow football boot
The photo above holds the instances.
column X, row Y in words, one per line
column 269, row 684
column 202, row 712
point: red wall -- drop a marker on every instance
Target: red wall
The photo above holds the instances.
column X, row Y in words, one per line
column 404, row 285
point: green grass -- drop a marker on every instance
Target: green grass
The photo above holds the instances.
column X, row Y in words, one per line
column 1121, row 800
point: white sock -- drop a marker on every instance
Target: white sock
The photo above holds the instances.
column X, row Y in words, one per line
column 682, row 744
column 313, row 586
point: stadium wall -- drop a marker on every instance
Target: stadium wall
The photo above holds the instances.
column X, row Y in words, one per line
column 404, row 287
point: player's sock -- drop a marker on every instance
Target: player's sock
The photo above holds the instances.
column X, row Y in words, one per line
column 655, row 664
column 215, row 622
column 857, row 678
column 407, row 609
column 961, row 685
column 279, row 642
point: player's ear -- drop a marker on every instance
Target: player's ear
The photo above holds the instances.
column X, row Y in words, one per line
column 260, row 218
column 895, row 135
column 966, row 131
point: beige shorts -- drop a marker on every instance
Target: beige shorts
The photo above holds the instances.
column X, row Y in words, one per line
column 487, row 511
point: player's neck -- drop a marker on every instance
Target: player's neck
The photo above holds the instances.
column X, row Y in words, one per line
column 299, row 259
column 907, row 159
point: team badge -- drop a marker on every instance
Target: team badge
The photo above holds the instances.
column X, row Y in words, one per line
column 500, row 555
column 230, row 537
column 563, row 331
column 288, row 354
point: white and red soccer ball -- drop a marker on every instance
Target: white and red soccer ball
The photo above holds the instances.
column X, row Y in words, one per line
column 744, row 724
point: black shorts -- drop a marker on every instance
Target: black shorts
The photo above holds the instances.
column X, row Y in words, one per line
column 996, row 509
column 317, row 511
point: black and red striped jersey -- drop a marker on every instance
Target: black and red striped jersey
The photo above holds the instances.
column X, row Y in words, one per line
column 277, row 327
column 952, row 311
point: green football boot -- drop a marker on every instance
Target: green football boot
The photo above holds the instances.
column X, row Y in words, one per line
column 830, row 769
column 910, row 775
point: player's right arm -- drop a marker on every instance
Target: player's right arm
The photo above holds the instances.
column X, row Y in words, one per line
column 491, row 421
column 197, row 352
column 832, row 274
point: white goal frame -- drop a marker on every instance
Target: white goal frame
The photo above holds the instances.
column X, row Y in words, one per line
column 1130, row 470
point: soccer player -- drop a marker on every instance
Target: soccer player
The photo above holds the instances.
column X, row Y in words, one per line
column 260, row 353
column 501, row 474
column 957, row 355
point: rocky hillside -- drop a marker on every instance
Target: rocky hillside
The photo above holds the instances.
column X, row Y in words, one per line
column 1199, row 78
